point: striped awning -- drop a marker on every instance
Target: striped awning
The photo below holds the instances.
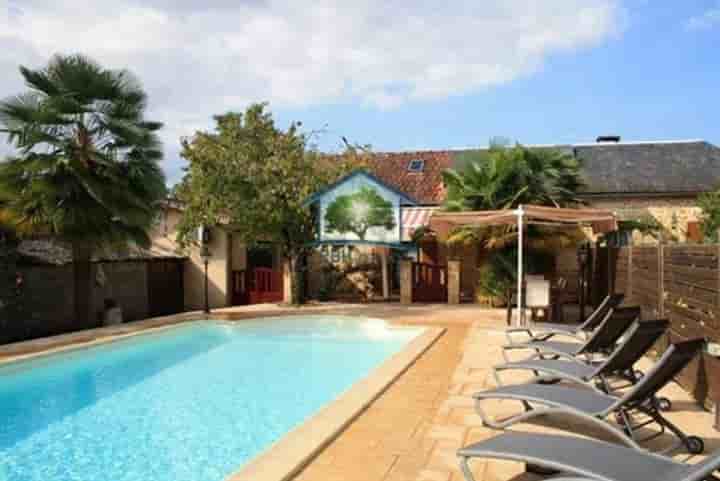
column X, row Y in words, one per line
column 414, row 218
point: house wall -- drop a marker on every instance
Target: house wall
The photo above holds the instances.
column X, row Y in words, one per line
column 673, row 213
column 225, row 254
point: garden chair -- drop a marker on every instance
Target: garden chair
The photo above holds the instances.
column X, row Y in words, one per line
column 601, row 341
column 592, row 460
column 594, row 408
column 641, row 336
column 545, row 330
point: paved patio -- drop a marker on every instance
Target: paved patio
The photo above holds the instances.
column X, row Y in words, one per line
column 412, row 432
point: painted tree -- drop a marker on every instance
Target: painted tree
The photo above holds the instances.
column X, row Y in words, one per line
column 86, row 167
column 254, row 177
column 358, row 212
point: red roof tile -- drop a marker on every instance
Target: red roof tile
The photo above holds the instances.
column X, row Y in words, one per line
column 425, row 187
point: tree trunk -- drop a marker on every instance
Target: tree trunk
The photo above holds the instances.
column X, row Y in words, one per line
column 82, row 280
column 508, row 314
column 297, row 288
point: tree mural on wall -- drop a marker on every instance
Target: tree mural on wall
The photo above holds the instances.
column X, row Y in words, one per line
column 358, row 212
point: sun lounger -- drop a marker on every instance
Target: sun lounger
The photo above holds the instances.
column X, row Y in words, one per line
column 590, row 459
column 593, row 408
column 546, row 330
column 601, row 341
column 641, row 336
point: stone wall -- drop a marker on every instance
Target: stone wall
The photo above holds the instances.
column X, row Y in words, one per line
column 673, row 213
column 344, row 273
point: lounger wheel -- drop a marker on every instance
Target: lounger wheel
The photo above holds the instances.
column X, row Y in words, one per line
column 695, row 445
column 663, row 404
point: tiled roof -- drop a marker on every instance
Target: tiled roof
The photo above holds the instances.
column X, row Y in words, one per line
column 55, row 253
column 673, row 167
column 646, row 167
column 425, row 187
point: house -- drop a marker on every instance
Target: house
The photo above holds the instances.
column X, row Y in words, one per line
column 660, row 179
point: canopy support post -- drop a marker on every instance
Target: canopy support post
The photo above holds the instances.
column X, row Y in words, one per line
column 519, row 296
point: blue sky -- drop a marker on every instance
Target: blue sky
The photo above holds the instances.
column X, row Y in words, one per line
column 659, row 78
column 398, row 75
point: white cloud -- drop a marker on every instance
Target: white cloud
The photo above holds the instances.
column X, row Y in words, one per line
column 708, row 19
column 201, row 58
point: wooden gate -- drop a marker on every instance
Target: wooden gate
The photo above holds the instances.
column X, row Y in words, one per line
column 165, row 287
column 429, row 283
column 257, row 286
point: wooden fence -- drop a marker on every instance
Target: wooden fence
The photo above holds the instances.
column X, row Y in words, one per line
column 143, row 288
column 681, row 283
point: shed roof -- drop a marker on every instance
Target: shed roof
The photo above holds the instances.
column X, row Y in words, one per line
column 54, row 253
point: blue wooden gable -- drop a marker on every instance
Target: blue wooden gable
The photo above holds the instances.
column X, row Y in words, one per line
column 360, row 208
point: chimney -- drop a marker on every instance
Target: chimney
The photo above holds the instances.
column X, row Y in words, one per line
column 608, row 139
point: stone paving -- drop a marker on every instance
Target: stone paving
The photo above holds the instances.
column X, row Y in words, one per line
column 413, row 431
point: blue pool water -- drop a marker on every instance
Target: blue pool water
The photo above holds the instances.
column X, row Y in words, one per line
column 192, row 403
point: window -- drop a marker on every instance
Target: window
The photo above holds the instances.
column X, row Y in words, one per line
column 416, row 165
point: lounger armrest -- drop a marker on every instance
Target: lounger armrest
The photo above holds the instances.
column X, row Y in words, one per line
column 544, row 335
column 517, row 330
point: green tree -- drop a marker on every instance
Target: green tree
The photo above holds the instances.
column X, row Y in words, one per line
column 254, row 177
column 358, row 212
column 709, row 202
column 503, row 178
column 506, row 177
column 86, row 165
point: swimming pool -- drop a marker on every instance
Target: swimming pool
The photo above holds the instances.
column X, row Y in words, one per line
column 190, row 403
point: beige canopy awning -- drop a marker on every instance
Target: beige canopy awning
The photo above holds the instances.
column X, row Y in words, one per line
column 600, row 220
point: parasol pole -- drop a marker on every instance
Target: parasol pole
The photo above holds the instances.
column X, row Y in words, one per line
column 519, row 212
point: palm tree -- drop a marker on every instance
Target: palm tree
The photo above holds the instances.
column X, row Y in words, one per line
column 86, row 165
column 504, row 178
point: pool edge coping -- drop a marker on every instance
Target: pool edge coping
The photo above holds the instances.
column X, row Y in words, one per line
column 75, row 341
column 286, row 457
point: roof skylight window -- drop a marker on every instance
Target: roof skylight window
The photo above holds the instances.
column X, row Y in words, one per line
column 416, row 165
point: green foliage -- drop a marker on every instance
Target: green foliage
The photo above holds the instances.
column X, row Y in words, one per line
column 498, row 276
column 86, row 168
column 710, row 218
column 495, row 279
column 646, row 225
column 503, row 178
column 86, row 164
column 358, row 212
column 254, row 177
